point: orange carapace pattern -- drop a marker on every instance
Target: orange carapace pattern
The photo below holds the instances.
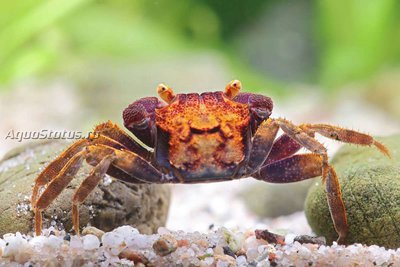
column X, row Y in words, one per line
column 207, row 132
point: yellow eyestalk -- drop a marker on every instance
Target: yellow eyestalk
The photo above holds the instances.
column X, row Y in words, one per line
column 165, row 92
column 233, row 88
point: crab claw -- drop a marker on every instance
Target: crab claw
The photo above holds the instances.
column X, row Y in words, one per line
column 165, row 92
column 233, row 88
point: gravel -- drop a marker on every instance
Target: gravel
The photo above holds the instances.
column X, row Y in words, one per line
column 125, row 246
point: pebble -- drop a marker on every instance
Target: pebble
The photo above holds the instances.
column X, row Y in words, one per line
column 210, row 249
column 126, row 231
column 228, row 251
column 304, row 239
column 93, row 231
column 76, row 242
column 165, row 245
column 15, row 247
column 134, row 256
column 67, row 237
column 54, row 242
column 113, row 242
column 90, row 242
column 139, row 241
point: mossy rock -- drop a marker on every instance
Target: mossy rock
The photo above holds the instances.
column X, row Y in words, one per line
column 110, row 205
column 370, row 184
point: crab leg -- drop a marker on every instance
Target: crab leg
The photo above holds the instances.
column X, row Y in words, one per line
column 305, row 140
column 87, row 186
column 103, row 156
column 112, row 170
column 106, row 133
column 56, row 186
column 293, row 169
column 262, row 144
column 283, row 147
column 345, row 135
column 305, row 166
column 336, row 205
column 128, row 162
column 54, row 168
column 115, row 133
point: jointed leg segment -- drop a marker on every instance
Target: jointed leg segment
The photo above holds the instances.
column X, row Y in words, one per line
column 87, row 186
column 103, row 152
column 284, row 167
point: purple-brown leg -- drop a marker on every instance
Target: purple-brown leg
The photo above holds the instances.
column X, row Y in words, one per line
column 283, row 147
column 262, row 144
column 300, row 167
column 305, row 166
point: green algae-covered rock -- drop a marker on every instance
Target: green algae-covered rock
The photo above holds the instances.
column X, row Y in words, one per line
column 111, row 204
column 370, row 184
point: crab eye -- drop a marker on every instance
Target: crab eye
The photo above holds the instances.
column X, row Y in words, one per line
column 165, row 92
column 233, row 88
column 135, row 116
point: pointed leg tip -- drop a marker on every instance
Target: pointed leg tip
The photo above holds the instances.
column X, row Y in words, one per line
column 341, row 240
column 383, row 149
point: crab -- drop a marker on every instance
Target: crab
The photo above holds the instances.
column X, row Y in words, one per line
column 196, row 138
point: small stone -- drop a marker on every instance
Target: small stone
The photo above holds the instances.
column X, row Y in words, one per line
column 165, row 245
column 139, row 241
column 126, row 231
column 218, row 250
column 228, row 251
column 209, row 260
column 75, row 242
column 183, row 243
column 91, row 230
column 37, row 241
column 225, row 260
column 54, row 242
column 113, row 242
column 163, row 231
column 270, row 237
column 306, row 239
column 16, row 248
column 90, row 242
column 134, row 256
column 235, row 240
column 67, row 237
column 289, row 238
column 241, row 261
column 252, row 254
column 2, row 243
